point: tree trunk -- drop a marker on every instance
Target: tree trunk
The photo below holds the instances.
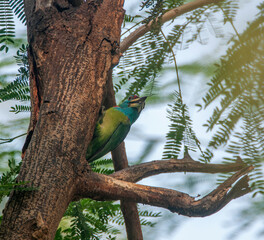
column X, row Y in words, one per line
column 71, row 50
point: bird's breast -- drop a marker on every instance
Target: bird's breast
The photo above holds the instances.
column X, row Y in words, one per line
column 112, row 119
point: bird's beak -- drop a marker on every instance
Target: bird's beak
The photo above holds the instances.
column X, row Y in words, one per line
column 138, row 103
column 138, row 100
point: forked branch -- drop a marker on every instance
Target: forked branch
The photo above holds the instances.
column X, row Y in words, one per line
column 101, row 187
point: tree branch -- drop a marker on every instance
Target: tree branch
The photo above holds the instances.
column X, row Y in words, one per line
column 137, row 172
column 101, row 187
column 129, row 209
column 139, row 32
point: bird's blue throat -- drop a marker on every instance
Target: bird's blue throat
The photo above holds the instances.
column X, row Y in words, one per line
column 131, row 113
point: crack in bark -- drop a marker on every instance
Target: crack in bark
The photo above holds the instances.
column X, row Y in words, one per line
column 35, row 100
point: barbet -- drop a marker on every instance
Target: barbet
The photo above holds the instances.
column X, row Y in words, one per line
column 114, row 125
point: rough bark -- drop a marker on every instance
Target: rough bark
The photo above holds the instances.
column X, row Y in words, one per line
column 71, row 50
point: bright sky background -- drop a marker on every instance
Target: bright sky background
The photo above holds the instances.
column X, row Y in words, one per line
column 153, row 122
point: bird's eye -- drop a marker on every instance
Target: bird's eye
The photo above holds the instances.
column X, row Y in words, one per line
column 133, row 97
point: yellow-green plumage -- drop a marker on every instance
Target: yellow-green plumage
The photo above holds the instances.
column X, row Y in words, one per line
column 113, row 127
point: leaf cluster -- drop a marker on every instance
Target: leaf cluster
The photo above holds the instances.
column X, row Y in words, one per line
column 140, row 66
column 8, row 180
column 89, row 219
column 103, row 166
column 19, row 88
column 181, row 134
column 238, row 87
column 7, row 26
column 156, row 8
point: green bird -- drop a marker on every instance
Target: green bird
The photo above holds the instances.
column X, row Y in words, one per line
column 114, row 125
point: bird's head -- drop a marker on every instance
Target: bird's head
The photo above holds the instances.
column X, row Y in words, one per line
column 134, row 102
column 133, row 107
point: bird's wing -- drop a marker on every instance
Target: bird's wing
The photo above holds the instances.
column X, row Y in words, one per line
column 111, row 143
column 108, row 135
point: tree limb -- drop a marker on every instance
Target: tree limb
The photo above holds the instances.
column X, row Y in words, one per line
column 137, row 172
column 101, row 187
column 173, row 13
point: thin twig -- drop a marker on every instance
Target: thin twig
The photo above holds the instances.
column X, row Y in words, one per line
column 175, row 63
column 8, row 140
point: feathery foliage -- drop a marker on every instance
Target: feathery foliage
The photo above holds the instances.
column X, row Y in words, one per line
column 238, row 82
column 20, row 108
column 238, row 79
column 143, row 215
column 8, row 180
column 248, row 143
column 181, row 134
column 18, row 9
column 141, row 64
column 157, row 8
column 7, row 26
column 239, row 118
column 104, row 166
column 89, row 220
column 229, row 9
column 19, row 88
